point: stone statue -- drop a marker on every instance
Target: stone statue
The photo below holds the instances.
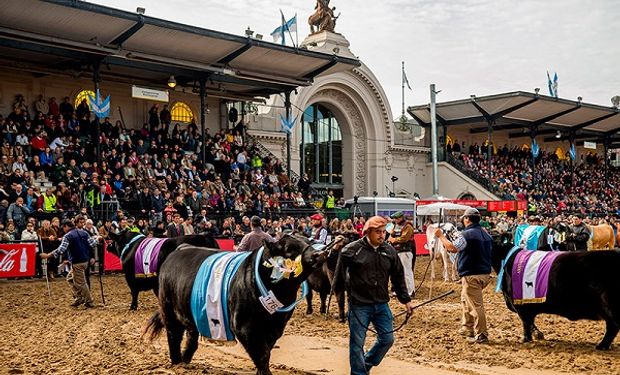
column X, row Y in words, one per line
column 323, row 17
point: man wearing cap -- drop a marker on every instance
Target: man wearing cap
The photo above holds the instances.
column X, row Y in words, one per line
column 319, row 232
column 369, row 263
column 579, row 233
column 255, row 239
column 77, row 244
column 401, row 239
column 473, row 246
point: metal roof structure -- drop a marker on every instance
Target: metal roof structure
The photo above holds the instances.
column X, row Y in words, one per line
column 68, row 37
column 543, row 115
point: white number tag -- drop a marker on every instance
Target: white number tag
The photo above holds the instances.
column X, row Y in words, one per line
column 270, row 302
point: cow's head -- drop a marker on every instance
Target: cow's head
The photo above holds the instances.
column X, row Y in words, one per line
column 502, row 243
column 119, row 240
column 294, row 257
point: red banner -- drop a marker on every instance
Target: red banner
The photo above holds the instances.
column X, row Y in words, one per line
column 495, row 206
column 474, row 204
column 17, row 259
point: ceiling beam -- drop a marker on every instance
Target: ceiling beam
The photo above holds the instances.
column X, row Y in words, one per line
column 321, row 69
column 119, row 40
column 234, row 54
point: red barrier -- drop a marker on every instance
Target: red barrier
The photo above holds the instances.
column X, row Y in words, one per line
column 226, row 244
column 420, row 241
column 17, row 259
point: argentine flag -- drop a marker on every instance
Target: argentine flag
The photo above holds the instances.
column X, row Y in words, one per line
column 99, row 106
column 287, row 26
column 572, row 152
column 553, row 85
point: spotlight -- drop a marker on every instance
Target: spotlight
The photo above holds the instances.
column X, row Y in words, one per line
column 374, row 193
column 249, row 32
column 558, row 135
column 579, row 99
column 140, row 10
column 172, row 82
column 473, row 97
column 394, row 178
column 259, row 36
column 537, row 90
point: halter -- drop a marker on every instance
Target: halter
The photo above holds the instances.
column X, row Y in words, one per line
column 500, row 275
column 130, row 242
column 267, row 295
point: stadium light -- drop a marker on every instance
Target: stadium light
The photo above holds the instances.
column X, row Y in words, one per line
column 172, row 82
column 558, row 135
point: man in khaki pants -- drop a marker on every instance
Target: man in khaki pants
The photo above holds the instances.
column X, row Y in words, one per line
column 473, row 246
column 77, row 243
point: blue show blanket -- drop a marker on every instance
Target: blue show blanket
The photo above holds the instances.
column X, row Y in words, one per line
column 210, row 294
column 527, row 236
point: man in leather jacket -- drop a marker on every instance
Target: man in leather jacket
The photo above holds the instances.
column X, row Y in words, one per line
column 368, row 264
column 580, row 234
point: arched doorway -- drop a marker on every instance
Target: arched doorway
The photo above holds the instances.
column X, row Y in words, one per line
column 321, row 145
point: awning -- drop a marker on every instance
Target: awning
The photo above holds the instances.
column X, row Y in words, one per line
column 68, row 37
column 525, row 111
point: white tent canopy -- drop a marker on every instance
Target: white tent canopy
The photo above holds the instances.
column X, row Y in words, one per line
column 440, row 207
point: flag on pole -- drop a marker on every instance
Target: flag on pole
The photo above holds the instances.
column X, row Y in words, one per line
column 99, row 106
column 572, row 152
column 553, row 85
column 405, row 80
column 535, row 148
column 287, row 124
column 289, row 26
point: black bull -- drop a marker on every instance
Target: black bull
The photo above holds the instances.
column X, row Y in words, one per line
column 321, row 281
column 137, row 284
column 252, row 325
column 582, row 285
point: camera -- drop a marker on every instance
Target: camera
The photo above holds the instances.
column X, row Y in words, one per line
column 355, row 198
column 394, row 178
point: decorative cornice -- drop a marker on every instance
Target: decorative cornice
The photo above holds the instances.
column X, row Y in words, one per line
column 409, row 149
column 261, row 134
column 377, row 94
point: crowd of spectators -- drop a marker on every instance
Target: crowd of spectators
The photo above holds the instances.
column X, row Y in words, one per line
column 555, row 186
column 155, row 172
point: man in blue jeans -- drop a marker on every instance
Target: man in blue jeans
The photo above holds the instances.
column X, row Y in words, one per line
column 369, row 263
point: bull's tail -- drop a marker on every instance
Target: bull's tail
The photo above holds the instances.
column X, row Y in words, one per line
column 154, row 327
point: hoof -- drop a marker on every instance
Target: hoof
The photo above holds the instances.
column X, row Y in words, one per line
column 526, row 340
column 309, row 312
column 134, row 308
column 603, row 347
column 539, row 335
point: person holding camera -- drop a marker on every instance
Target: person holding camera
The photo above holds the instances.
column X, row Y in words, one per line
column 473, row 246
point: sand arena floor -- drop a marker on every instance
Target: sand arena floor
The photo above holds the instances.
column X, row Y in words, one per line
column 39, row 336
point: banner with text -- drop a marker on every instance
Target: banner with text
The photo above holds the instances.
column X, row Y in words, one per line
column 17, row 259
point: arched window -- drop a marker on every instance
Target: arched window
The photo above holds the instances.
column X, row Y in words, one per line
column 181, row 112
column 83, row 95
column 321, row 145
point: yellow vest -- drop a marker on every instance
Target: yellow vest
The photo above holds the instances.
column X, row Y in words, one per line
column 49, row 203
column 331, row 202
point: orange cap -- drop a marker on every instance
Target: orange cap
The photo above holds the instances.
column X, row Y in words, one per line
column 374, row 223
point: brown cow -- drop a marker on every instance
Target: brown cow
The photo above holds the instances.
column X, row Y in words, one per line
column 602, row 237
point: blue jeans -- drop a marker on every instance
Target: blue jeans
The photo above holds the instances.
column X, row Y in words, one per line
column 360, row 317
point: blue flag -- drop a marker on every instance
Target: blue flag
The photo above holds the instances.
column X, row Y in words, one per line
column 99, row 106
column 535, row 148
column 553, row 85
column 287, row 124
column 572, row 152
column 286, row 27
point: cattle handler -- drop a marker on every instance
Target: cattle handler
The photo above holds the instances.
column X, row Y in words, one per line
column 369, row 263
column 473, row 246
column 77, row 244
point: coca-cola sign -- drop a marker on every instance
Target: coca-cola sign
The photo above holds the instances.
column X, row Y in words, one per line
column 17, row 259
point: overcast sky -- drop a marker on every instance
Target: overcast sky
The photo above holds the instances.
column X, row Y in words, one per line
column 465, row 47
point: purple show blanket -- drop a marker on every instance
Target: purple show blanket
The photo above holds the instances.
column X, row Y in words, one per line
column 147, row 255
column 530, row 276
